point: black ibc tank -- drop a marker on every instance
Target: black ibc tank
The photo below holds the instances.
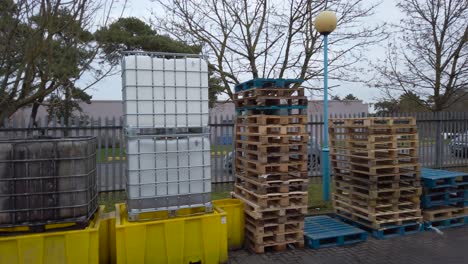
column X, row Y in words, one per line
column 47, row 180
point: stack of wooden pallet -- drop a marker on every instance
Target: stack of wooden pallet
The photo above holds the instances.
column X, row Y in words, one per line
column 376, row 173
column 445, row 198
column 271, row 164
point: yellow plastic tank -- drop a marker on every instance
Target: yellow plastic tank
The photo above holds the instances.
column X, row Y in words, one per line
column 234, row 209
column 198, row 238
column 60, row 247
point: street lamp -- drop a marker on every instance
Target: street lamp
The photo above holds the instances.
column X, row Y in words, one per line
column 325, row 23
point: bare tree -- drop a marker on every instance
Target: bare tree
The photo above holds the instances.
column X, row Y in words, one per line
column 270, row 39
column 44, row 45
column 429, row 54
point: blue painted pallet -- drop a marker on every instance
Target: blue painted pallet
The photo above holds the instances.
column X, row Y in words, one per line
column 274, row 110
column 266, row 83
column 446, row 223
column 433, row 179
column 445, row 197
column 323, row 231
column 388, row 231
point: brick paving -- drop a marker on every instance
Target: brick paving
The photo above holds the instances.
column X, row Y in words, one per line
column 426, row 247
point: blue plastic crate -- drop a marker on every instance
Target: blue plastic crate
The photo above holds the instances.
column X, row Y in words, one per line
column 266, row 83
column 324, row 231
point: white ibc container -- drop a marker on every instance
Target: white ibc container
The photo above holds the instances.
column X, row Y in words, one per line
column 168, row 172
column 165, row 90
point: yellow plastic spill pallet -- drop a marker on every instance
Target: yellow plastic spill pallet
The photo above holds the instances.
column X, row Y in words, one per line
column 234, row 209
column 61, row 247
column 188, row 239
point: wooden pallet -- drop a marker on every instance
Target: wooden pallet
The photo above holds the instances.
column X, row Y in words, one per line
column 252, row 173
column 274, row 246
column 272, row 233
column 366, row 178
column 444, row 212
column 269, row 177
column 405, row 177
column 382, row 220
column 295, row 185
column 374, row 191
column 385, row 200
column 293, row 219
column 360, row 136
column 387, row 231
column 271, row 148
column 265, row 231
column 278, row 92
column 377, row 205
column 272, row 119
column 344, row 132
column 277, row 215
column 272, row 200
column 401, row 156
column 381, row 145
column 373, row 133
column 373, row 153
column 272, row 157
column 273, row 139
column 274, row 151
column 378, row 170
column 372, row 169
column 374, row 205
column 284, row 110
column 272, row 237
column 261, row 168
column 399, row 160
column 387, row 182
column 373, row 122
column 249, row 129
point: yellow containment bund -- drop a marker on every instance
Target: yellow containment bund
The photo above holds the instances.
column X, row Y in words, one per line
column 199, row 238
column 54, row 247
column 107, row 239
column 234, row 209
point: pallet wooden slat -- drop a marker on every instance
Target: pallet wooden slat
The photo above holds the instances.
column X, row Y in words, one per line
column 376, row 172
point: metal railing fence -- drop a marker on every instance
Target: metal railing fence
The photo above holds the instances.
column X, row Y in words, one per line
column 437, row 132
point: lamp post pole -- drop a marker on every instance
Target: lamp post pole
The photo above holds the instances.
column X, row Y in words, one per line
column 325, row 23
column 325, row 149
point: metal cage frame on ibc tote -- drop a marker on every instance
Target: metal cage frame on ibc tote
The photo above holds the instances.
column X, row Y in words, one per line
column 155, row 98
column 171, row 201
column 190, row 193
column 46, row 181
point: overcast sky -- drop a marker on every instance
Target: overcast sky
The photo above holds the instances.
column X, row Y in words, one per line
column 110, row 88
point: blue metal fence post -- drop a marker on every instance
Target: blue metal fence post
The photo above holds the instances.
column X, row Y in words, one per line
column 325, row 149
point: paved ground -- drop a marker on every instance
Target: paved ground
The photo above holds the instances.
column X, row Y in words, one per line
column 427, row 247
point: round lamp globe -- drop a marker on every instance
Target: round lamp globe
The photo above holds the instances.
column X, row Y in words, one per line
column 326, row 22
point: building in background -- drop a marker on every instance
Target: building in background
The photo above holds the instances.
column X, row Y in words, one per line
column 222, row 112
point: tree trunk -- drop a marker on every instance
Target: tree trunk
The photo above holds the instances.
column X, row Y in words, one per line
column 34, row 110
